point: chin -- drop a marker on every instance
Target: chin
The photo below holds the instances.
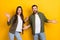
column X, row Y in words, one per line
column 35, row 12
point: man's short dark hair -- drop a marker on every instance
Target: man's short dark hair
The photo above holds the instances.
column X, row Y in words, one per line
column 34, row 6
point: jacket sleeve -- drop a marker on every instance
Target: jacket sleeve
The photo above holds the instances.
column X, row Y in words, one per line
column 45, row 19
column 11, row 21
column 30, row 21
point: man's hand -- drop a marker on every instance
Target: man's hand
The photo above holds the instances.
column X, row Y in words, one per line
column 26, row 27
column 52, row 21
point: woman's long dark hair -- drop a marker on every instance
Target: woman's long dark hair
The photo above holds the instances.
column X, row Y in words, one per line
column 22, row 17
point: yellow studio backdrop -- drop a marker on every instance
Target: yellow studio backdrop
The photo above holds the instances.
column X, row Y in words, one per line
column 50, row 8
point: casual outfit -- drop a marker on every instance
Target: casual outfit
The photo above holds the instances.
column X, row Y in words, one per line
column 16, row 27
column 37, row 24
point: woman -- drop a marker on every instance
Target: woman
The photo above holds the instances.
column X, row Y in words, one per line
column 16, row 24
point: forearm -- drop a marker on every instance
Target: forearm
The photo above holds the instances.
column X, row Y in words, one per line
column 26, row 19
column 26, row 27
column 8, row 21
column 49, row 21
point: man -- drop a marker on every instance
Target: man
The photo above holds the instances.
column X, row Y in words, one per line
column 36, row 21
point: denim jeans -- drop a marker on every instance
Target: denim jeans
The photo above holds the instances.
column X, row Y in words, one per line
column 39, row 35
column 17, row 34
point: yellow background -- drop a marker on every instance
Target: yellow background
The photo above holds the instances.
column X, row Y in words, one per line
column 50, row 8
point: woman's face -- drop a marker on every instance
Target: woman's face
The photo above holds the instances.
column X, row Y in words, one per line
column 19, row 11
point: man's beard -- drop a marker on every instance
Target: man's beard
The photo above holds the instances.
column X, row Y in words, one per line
column 35, row 12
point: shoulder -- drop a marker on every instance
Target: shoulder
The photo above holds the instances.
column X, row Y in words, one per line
column 14, row 16
column 31, row 15
column 40, row 13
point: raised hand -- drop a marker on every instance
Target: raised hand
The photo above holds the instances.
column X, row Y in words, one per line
column 8, row 16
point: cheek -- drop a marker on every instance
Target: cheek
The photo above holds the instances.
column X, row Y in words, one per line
column 19, row 11
column 34, row 10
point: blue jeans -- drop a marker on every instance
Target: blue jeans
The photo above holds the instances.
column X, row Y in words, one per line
column 17, row 34
column 39, row 35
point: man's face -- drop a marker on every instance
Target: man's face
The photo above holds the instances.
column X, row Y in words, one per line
column 35, row 9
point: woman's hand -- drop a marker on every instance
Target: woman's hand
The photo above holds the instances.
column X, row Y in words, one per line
column 27, row 18
column 8, row 16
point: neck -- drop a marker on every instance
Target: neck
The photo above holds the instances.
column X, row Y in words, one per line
column 18, row 15
column 36, row 13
